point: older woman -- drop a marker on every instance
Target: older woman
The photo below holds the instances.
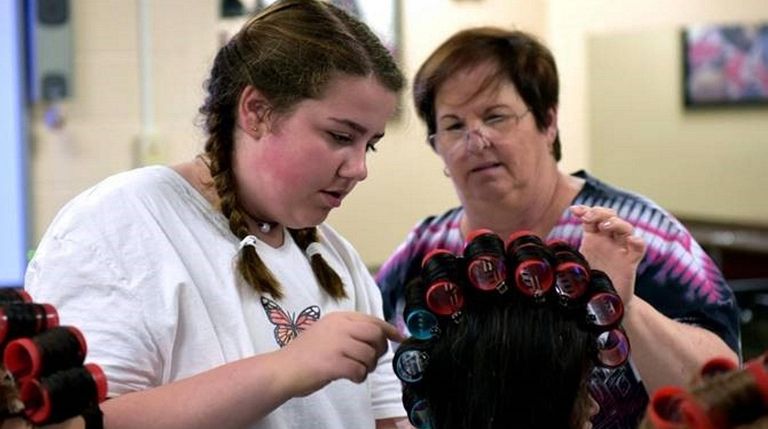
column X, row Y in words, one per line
column 489, row 98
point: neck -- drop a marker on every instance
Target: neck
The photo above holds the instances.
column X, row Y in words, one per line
column 539, row 214
column 198, row 174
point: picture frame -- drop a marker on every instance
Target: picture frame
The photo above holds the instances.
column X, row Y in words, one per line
column 725, row 65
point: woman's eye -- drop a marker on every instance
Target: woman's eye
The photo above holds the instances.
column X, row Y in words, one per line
column 496, row 119
column 341, row 138
column 454, row 127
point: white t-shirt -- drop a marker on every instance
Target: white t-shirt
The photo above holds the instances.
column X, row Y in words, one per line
column 145, row 267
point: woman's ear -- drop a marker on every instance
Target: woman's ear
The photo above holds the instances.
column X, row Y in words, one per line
column 253, row 112
column 552, row 125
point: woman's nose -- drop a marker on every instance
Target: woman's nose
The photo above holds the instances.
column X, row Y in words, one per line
column 354, row 165
column 475, row 141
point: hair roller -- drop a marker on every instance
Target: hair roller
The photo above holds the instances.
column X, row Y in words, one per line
column 604, row 306
column 612, row 348
column 421, row 323
column 417, row 408
column 572, row 273
column 444, row 295
column 530, row 263
column 486, row 267
column 26, row 319
column 410, row 360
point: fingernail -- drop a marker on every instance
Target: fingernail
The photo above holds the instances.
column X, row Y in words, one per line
column 606, row 224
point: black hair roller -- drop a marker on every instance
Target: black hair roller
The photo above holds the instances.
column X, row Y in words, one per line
column 444, row 295
column 612, row 348
column 417, row 408
column 410, row 360
column 63, row 394
column 422, row 324
column 50, row 351
column 530, row 262
column 25, row 320
column 572, row 273
column 604, row 306
column 9, row 295
column 486, row 265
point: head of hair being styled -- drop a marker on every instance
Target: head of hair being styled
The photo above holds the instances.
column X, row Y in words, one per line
column 735, row 399
column 517, row 56
column 516, row 365
column 289, row 52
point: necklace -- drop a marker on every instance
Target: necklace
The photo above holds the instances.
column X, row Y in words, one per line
column 264, row 227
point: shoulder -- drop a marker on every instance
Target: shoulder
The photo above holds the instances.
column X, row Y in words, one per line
column 647, row 216
column 123, row 195
column 432, row 232
column 436, row 230
column 143, row 183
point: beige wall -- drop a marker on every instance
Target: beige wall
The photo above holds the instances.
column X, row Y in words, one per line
column 108, row 114
column 623, row 116
column 704, row 163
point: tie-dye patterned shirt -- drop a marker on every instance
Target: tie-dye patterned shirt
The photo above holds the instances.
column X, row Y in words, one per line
column 676, row 277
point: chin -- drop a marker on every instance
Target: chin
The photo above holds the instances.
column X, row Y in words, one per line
column 309, row 221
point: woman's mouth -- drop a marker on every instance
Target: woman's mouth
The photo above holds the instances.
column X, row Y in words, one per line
column 485, row 166
column 333, row 198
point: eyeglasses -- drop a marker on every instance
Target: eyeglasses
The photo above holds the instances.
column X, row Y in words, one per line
column 492, row 129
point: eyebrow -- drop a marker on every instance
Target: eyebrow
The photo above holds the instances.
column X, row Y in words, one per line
column 486, row 110
column 355, row 126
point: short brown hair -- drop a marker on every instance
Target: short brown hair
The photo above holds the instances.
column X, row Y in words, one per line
column 519, row 57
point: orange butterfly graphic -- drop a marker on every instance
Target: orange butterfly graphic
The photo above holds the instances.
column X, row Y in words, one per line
column 286, row 327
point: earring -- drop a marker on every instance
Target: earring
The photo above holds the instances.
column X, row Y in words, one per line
column 446, row 172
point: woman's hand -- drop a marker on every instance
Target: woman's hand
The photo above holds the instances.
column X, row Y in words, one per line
column 610, row 246
column 340, row 345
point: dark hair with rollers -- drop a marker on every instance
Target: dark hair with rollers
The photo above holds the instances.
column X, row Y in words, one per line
column 735, row 398
column 289, row 52
column 526, row 366
column 498, row 356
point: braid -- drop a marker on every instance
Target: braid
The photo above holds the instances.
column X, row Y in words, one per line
column 218, row 149
column 328, row 279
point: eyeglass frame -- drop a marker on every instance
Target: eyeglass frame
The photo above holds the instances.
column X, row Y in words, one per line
column 514, row 118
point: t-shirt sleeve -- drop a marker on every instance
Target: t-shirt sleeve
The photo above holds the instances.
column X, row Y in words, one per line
column 680, row 280
column 386, row 391
column 395, row 273
column 84, row 282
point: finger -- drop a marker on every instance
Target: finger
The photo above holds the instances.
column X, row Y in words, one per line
column 578, row 210
column 637, row 244
column 353, row 370
column 388, row 330
column 391, row 332
column 362, row 353
column 599, row 214
column 616, row 226
column 369, row 330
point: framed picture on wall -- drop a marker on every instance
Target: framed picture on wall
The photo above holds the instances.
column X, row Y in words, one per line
column 725, row 65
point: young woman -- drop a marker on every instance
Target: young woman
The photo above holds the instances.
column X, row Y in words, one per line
column 211, row 292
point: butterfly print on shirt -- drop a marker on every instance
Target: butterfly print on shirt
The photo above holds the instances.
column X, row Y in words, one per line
column 286, row 327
